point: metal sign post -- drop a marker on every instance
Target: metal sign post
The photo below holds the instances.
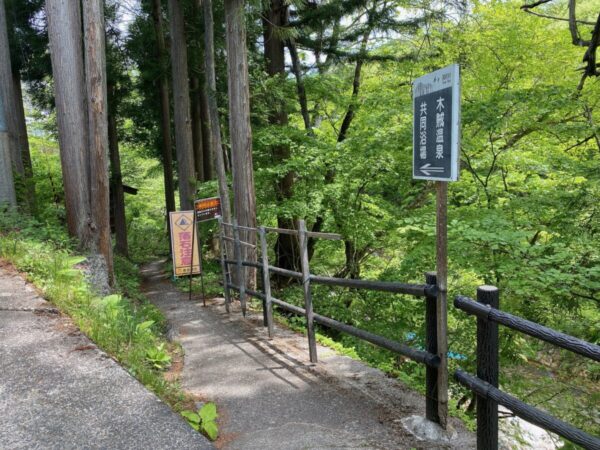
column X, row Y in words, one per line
column 195, row 230
column 436, row 144
column 204, row 209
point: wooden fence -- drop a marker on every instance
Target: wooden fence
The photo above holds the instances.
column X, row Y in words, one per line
column 485, row 384
column 427, row 291
column 486, row 309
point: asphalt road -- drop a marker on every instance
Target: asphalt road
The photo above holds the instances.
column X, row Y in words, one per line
column 58, row 391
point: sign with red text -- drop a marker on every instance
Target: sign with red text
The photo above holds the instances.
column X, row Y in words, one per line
column 207, row 209
column 183, row 236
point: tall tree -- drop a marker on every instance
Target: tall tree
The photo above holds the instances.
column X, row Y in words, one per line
column 27, row 44
column 81, row 106
column 116, row 182
column 165, row 112
column 197, row 138
column 208, row 163
column 7, row 186
column 97, row 107
column 239, row 123
column 181, row 102
column 66, row 50
column 8, row 94
column 213, row 110
column 23, row 142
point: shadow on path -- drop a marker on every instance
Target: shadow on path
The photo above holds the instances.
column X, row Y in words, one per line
column 269, row 395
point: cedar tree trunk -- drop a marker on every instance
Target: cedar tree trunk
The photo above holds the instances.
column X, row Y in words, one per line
column 181, row 102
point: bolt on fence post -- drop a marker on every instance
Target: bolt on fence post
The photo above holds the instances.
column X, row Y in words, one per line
column 431, row 373
column 241, row 275
column 310, row 326
column 224, row 266
column 268, row 305
column 487, row 370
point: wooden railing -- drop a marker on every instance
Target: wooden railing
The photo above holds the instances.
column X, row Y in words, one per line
column 485, row 384
column 486, row 309
column 427, row 291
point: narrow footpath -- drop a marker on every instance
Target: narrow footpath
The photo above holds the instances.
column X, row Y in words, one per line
column 58, row 391
column 268, row 394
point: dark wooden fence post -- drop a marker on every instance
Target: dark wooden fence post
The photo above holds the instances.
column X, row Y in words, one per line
column 268, row 305
column 310, row 326
column 241, row 273
column 431, row 373
column 487, row 370
column 224, row 265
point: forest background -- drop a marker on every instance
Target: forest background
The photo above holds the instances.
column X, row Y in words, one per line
column 322, row 120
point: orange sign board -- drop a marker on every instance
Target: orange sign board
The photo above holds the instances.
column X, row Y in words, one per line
column 207, row 208
column 183, row 233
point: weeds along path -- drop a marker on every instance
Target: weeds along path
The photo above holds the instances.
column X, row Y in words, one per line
column 268, row 394
column 58, row 391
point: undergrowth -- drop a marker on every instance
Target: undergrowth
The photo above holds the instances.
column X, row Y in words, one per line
column 124, row 325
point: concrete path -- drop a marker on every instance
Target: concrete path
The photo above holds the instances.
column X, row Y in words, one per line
column 268, row 394
column 58, row 391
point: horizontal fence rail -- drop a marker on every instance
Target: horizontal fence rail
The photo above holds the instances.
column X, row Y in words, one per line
column 486, row 309
column 485, row 384
column 234, row 278
column 310, row 234
column 549, row 335
column 247, row 244
column 388, row 344
column 527, row 412
column 417, row 290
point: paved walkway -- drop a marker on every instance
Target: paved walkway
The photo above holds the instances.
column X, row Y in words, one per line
column 270, row 397
column 58, row 391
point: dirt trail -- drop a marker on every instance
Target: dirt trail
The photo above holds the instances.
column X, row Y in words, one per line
column 270, row 396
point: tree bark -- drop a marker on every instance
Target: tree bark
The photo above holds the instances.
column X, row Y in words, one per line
column 197, row 128
column 8, row 94
column 7, row 186
column 291, row 44
column 118, row 196
column 95, row 71
column 355, row 90
column 213, row 112
column 181, row 97
column 65, row 36
column 205, row 127
column 23, row 140
column 239, row 126
column 165, row 112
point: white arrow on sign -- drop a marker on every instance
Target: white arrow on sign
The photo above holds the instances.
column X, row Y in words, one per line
column 427, row 169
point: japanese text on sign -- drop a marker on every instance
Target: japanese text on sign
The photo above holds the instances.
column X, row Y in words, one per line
column 183, row 233
column 207, row 208
column 436, row 109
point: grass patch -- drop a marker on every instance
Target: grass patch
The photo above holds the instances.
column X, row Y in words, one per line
column 125, row 325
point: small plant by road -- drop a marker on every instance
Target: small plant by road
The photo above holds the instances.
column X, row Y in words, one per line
column 204, row 420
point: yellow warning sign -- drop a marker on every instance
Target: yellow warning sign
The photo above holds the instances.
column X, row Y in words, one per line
column 183, row 233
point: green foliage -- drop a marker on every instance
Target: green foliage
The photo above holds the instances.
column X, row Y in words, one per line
column 524, row 215
column 128, row 328
column 204, row 420
column 158, row 357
